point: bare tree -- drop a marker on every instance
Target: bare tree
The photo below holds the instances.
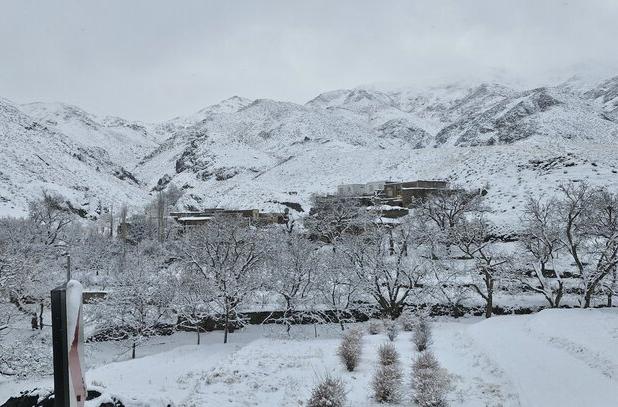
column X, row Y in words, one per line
column 29, row 266
column 573, row 206
column 292, row 273
column 540, row 238
column 589, row 231
column 332, row 217
column 50, row 215
column 337, row 288
column 194, row 302
column 111, row 221
column 228, row 255
column 448, row 208
column 142, row 296
column 473, row 238
column 603, row 245
column 385, row 265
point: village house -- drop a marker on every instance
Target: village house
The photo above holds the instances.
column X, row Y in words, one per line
column 396, row 196
column 370, row 188
column 254, row 216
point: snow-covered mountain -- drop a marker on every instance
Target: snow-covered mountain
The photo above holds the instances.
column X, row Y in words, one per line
column 63, row 149
column 266, row 154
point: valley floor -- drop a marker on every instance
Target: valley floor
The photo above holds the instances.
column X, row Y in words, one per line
column 553, row 358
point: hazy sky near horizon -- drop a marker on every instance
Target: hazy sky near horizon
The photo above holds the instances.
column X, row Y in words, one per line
column 152, row 60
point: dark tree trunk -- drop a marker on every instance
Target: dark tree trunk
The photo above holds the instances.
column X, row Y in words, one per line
column 559, row 295
column 226, row 326
column 489, row 305
column 41, row 318
column 588, row 297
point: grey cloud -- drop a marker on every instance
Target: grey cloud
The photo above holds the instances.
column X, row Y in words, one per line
column 152, row 60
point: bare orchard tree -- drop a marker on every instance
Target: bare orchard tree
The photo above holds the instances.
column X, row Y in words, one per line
column 589, row 231
column 603, row 243
column 142, row 296
column 50, row 215
column 228, row 254
column 489, row 265
column 448, row 208
column 194, row 302
column 385, row 264
column 332, row 217
column 29, row 267
column 574, row 210
column 610, row 285
column 13, row 261
column 337, row 289
column 444, row 284
column 160, row 208
column 293, row 266
column 540, row 239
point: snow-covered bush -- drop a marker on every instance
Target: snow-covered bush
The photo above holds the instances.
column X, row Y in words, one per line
column 407, row 321
column 374, row 327
column 430, row 382
column 350, row 348
column 27, row 357
column 387, row 379
column 330, row 392
column 391, row 329
column 388, row 354
column 422, row 334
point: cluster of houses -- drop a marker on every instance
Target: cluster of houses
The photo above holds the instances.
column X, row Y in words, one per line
column 252, row 215
column 395, row 194
column 391, row 198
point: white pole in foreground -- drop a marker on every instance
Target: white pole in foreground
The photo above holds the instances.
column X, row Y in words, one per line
column 68, row 339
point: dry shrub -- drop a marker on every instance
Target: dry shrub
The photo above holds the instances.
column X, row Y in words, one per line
column 387, row 354
column 374, row 327
column 330, row 392
column 391, row 329
column 350, row 348
column 387, row 379
column 422, row 335
column 407, row 321
column 430, row 382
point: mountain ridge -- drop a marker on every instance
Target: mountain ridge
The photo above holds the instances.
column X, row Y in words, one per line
column 253, row 153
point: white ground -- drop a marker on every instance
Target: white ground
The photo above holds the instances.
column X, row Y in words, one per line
column 553, row 358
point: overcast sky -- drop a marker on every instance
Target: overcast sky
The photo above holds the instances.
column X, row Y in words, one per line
column 152, row 60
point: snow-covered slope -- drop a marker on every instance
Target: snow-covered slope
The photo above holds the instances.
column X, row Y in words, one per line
column 606, row 93
column 125, row 142
column 518, row 142
column 538, row 113
column 243, row 153
column 72, row 154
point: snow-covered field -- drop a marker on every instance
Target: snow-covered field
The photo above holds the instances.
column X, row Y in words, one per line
column 553, row 358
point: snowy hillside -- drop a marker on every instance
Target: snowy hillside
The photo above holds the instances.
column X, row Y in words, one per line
column 243, row 153
column 124, row 141
column 63, row 149
column 517, row 141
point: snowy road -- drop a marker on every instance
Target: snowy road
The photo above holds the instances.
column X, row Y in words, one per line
column 543, row 370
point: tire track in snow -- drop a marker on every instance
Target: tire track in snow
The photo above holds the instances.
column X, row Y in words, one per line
column 544, row 375
column 477, row 378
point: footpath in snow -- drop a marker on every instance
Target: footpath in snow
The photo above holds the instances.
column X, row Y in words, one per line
column 557, row 357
